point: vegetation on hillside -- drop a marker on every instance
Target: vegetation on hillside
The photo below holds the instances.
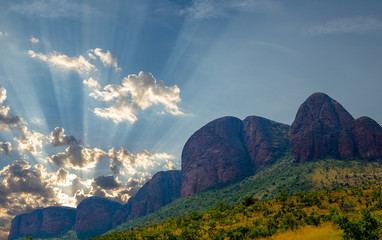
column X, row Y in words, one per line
column 268, row 183
column 350, row 213
column 324, row 174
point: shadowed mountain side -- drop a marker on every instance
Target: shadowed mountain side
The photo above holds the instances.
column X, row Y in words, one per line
column 94, row 216
column 47, row 222
column 160, row 190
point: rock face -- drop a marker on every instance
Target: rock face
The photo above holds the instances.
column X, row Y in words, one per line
column 160, row 190
column 94, row 216
column 47, row 222
column 324, row 128
column 213, row 155
column 316, row 129
column 265, row 140
column 229, row 149
column 367, row 138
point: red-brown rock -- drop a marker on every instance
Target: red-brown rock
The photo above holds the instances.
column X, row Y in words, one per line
column 160, row 190
column 94, row 216
column 367, row 138
column 315, row 132
column 265, row 140
column 47, row 222
column 213, row 155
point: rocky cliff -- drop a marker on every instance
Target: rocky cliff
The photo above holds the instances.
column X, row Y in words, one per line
column 94, row 216
column 323, row 128
column 47, row 222
column 160, row 190
column 229, row 149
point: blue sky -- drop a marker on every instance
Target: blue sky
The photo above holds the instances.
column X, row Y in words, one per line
column 81, row 82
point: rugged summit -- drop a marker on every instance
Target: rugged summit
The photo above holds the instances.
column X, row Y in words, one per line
column 94, row 216
column 229, row 149
column 324, row 128
column 47, row 222
column 160, row 190
column 316, row 128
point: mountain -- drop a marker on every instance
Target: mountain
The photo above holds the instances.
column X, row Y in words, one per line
column 228, row 149
column 323, row 128
column 47, row 222
column 94, row 216
column 229, row 158
column 162, row 189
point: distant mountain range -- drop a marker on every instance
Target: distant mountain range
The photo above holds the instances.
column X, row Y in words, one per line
column 225, row 150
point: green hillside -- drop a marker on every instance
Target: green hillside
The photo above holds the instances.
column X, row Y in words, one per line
column 350, row 213
column 324, row 174
column 284, row 175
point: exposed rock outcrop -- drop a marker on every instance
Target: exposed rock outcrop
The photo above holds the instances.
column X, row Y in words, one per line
column 367, row 138
column 160, row 190
column 215, row 154
column 228, row 149
column 94, row 216
column 315, row 131
column 323, row 128
column 47, row 222
column 265, row 140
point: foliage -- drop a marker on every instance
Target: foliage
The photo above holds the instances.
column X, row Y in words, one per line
column 253, row 219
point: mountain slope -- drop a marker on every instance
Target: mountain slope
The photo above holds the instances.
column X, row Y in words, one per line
column 284, row 174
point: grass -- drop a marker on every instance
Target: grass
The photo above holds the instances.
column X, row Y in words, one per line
column 326, row 231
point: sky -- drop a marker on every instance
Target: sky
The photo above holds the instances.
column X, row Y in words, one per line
column 97, row 96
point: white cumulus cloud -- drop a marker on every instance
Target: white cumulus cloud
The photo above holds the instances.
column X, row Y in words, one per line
column 106, row 58
column 137, row 92
column 79, row 64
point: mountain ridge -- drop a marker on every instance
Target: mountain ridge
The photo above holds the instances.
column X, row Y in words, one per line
column 228, row 149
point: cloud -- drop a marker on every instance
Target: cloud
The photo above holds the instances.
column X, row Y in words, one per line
column 140, row 164
column 107, row 182
column 34, row 40
column 8, row 121
column 110, row 187
column 23, row 188
column 62, row 175
column 206, row 9
column 91, row 83
column 30, row 141
column 78, row 157
column 355, row 25
column 52, row 9
column 6, row 148
column 79, row 64
column 58, row 138
column 137, row 92
column 106, row 58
